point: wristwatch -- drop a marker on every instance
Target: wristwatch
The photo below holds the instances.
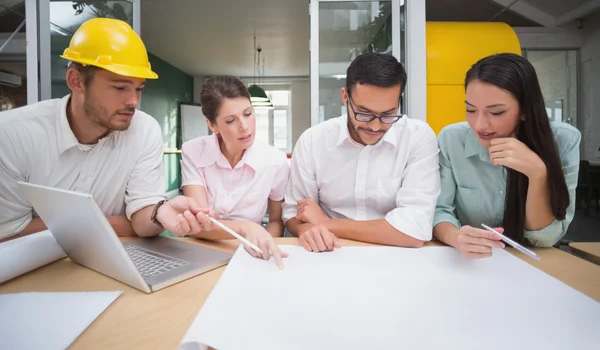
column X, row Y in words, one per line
column 155, row 211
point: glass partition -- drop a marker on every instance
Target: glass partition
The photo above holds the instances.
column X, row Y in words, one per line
column 557, row 72
column 13, row 63
column 65, row 19
column 340, row 31
column 57, row 20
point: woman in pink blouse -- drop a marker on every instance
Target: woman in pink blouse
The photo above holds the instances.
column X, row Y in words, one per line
column 233, row 174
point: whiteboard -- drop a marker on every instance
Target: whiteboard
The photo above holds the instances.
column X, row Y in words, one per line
column 193, row 123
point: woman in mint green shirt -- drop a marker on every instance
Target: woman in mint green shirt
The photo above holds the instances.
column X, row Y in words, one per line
column 508, row 166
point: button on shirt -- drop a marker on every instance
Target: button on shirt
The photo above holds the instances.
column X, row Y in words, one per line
column 396, row 179
column 473, row 189
column 240, row 193
column 123, row 171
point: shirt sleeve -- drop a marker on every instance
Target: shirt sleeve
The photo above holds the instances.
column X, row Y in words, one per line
column 302, row 182
column 15, row 211
column 281, row 179
column 417, row 197
column 146, row 183
column 190, row 174
column 551, row 234
column 445, row 207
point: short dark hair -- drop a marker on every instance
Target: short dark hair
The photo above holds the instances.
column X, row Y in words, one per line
column 374, row 68
column 216, row 89
column 87, row 71
column 515, row 74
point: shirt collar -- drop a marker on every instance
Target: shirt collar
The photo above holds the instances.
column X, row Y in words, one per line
column 473, row 147
column 64, row 135
column 343, row 134
column 389, row 137
column 212, row 154
column 252, row 157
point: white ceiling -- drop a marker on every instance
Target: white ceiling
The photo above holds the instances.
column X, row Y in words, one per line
column 556, row 8
column 203, row 37
column 216, row 37
column 552, row 13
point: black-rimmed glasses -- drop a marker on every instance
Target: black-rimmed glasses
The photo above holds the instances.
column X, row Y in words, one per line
column 365, row 117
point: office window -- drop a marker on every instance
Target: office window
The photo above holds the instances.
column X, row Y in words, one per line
column 262, row 125
column 280, row 129
column 273, row 125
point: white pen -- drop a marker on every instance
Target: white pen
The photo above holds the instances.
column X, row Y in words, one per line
column 514, row 244
column 232, row 232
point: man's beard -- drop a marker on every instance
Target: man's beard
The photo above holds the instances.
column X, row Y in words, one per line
column 354, row 131
column 95, row 113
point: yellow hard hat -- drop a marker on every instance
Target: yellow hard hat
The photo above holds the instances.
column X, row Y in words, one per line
column 110, row 44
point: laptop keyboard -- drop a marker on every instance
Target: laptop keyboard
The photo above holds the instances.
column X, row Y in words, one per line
column 151, row 264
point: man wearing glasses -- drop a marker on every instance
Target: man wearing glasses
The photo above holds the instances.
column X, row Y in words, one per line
column 370, row 176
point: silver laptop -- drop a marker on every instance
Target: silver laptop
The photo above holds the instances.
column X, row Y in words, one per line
column 84, row 233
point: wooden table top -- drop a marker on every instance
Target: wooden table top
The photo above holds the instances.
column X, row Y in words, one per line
column 161, row 319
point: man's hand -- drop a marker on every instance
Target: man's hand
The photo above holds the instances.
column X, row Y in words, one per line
column 317, row 238
column 179, row 215
column 310, row 212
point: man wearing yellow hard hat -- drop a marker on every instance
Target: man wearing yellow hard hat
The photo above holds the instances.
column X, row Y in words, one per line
column 93, row 141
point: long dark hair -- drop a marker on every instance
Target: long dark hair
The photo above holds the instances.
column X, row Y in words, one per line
column 516, row 75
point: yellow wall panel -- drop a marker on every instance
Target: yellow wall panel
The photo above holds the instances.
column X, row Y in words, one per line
column 447, row 105
column 452, row 48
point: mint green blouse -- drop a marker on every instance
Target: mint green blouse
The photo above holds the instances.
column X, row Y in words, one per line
column 473, row 188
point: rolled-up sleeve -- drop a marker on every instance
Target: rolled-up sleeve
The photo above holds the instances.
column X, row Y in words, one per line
column 420, row 189
column 190, row 174
column 146, row 183
column 445, row 208
column 15, row 210
column 551, row 234
column 302, row 180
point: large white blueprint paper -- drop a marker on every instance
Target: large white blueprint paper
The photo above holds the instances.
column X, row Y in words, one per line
column 48, row 320
column 27, row 253
column 392, row 298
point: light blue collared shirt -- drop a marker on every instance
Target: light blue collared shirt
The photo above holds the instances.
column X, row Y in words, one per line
column 473, row 189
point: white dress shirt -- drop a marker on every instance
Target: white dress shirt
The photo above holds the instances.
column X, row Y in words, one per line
column 123, row 171
column 397, row 179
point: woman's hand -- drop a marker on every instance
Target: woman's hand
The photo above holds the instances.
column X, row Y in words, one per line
column 258, row 236
column 475, row 243
column 514, row 154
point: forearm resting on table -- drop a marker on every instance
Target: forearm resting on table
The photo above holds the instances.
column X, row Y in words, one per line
column 372, row 231
column 36, row 225
column 218, row 233
column 275, row 228
column 295, row 226
column 120, row 225
column 447, row 233
column 142, row 225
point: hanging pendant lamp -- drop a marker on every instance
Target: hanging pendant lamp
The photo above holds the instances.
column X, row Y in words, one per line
column 262, row 105
column 257, row 94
